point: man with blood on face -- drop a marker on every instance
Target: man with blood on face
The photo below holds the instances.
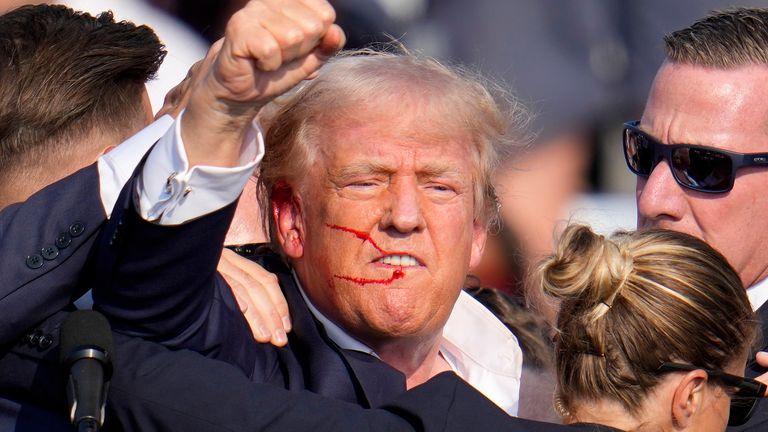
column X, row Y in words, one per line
column 376, row 180
column 389, row 233
column 379, row 177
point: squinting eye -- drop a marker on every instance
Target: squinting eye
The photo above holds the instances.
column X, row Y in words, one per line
column 440, row 188
column 362, row 184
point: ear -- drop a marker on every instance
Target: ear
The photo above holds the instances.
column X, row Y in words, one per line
column 688, row 398
column 479, row 236
column 288, row 217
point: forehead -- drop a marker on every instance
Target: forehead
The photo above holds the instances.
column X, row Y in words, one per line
column 708, row 106
column 395, row 138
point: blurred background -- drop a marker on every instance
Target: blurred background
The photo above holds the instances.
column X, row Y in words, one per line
column 583, row 67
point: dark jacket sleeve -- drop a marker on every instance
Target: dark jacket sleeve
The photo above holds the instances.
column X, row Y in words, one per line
column 182, row 391
column 160, row 283
column 45, row 243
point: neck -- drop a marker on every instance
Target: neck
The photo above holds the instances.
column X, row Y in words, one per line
column 418, row 360
column 608, row 413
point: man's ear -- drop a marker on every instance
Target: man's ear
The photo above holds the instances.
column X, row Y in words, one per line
column 479, row 236
column 288, row 217
column 688, row 398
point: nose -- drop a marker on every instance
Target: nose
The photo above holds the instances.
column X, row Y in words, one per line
column 404, row 212
column 659, row 197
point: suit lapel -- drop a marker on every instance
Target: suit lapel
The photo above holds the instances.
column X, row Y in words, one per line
column 325, row 372
column 327, row 369
column 378, row 381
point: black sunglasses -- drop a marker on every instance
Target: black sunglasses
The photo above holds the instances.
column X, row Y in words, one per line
column 702, row 169
column 745, row 392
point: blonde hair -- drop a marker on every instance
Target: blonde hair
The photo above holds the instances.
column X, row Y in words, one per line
column 454, row 98
column 635, row 300
column 724, row 39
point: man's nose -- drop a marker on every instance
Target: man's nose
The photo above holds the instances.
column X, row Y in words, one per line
column 659, row 196
column 404, row 213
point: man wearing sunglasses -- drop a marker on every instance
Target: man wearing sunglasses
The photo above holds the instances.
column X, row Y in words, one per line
column 700, row 150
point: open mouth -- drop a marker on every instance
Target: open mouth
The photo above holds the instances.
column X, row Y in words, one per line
column 399, row 260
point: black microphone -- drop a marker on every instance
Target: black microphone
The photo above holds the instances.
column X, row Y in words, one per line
column 86, row 350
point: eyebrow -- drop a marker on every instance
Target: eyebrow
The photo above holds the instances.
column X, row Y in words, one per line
column 434, row 169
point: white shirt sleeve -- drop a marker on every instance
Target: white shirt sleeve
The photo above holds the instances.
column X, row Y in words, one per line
column 169, row 192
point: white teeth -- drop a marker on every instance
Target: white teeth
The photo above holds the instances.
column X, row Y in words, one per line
column 399, row 260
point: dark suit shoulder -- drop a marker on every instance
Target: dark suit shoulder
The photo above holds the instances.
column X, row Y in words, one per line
column 57, row 225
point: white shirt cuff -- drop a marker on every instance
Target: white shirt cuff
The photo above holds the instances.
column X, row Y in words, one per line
column 171, row 193
column 117, row 166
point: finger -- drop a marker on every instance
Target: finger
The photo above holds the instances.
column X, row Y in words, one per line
column 762, row 358
column 234, row 277
column 294, row 27
column 272, row 287
column 308, row 66
column 245, row 40
column 261, row 305
column 322, row 9
column 333, row 40
column 259, row 296
column 259, row 329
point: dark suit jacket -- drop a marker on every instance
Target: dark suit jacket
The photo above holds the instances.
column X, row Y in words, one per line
column 183, row 391
column 759, row 420
column 46, row 242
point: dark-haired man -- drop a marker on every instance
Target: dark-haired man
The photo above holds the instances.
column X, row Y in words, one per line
column 72, row 87
column 700, row 149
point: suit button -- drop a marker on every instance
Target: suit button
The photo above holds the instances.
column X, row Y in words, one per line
column 63, row 240
column 34, row 261
column 45, row 341
column 50, row 252
column 76, row 229
column 36, row 338
column 27, row 339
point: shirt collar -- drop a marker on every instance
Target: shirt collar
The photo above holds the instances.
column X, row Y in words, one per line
column 758, row 294
column 334, row 332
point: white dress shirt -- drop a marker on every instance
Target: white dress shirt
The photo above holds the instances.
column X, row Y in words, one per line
column 477, row 346
column 758, row 294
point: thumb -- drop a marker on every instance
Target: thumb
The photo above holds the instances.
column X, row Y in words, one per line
column 333, row 40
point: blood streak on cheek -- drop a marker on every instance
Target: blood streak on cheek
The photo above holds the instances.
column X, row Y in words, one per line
column 397, row 274
column 359, row 234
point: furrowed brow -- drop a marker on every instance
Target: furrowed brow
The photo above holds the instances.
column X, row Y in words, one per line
column 360, row 169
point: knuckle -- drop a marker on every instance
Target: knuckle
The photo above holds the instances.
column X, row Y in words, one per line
column 238, row 21
column 267, row 48
column 293, row 36
column 314, row 27
column 326, row 13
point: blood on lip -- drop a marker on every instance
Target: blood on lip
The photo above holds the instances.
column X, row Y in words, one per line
column 398, row 273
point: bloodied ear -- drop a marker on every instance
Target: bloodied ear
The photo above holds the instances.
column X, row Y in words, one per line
column 286, row 211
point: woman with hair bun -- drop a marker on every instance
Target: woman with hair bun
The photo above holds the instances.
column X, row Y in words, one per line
column 653, row 332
